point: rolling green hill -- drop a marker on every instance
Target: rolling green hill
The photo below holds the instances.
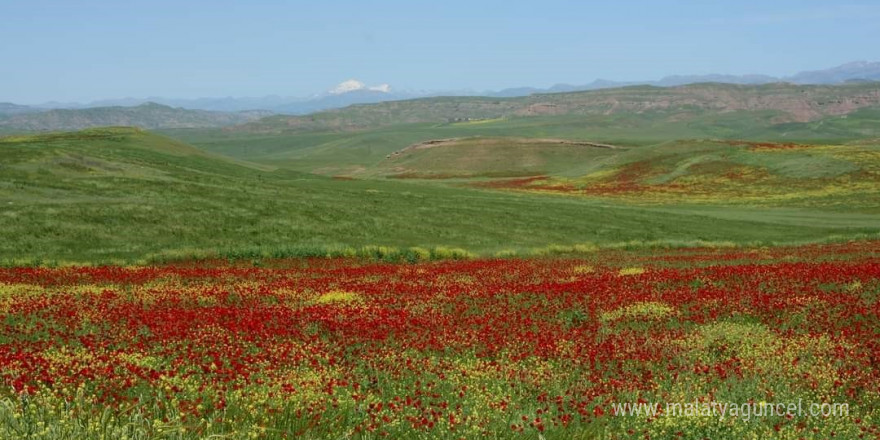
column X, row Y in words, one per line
column 353, row 153
column 124, row 194
column 357, row 139
column 689, row 171
column 842, row 177
column 476, row 157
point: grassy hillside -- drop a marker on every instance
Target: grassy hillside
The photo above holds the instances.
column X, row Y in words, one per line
column 844, row 177
column 357, row 139
column 149, row 115
column 355, row 152
column 738, row 172
column 475, row 157
column 126, row 194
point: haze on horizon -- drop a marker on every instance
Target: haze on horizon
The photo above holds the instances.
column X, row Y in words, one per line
column 89, row 50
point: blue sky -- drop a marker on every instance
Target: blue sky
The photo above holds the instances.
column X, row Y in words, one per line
column 85, row 50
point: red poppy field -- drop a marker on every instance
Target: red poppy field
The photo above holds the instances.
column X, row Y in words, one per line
column 504, row 348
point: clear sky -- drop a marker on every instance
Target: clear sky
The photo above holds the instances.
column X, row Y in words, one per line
column 69, row 50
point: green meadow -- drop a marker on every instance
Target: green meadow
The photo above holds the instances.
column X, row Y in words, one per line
column 126, row 195
column 349, row 151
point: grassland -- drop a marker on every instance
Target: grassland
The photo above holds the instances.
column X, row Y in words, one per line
column 129, row 195
column 491, row 157
column 312, row 185
column 841, row 177
column 333, row 152
column 734, row 158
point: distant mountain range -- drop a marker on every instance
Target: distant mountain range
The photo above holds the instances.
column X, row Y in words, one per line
column 356, row 92
column 156, row 112
column 855, row 71
column 778, row 103
column 342, row 95
column 8, row 108
column 149, row 115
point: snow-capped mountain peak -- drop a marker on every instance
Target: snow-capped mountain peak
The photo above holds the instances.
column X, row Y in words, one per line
column 354, row 85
